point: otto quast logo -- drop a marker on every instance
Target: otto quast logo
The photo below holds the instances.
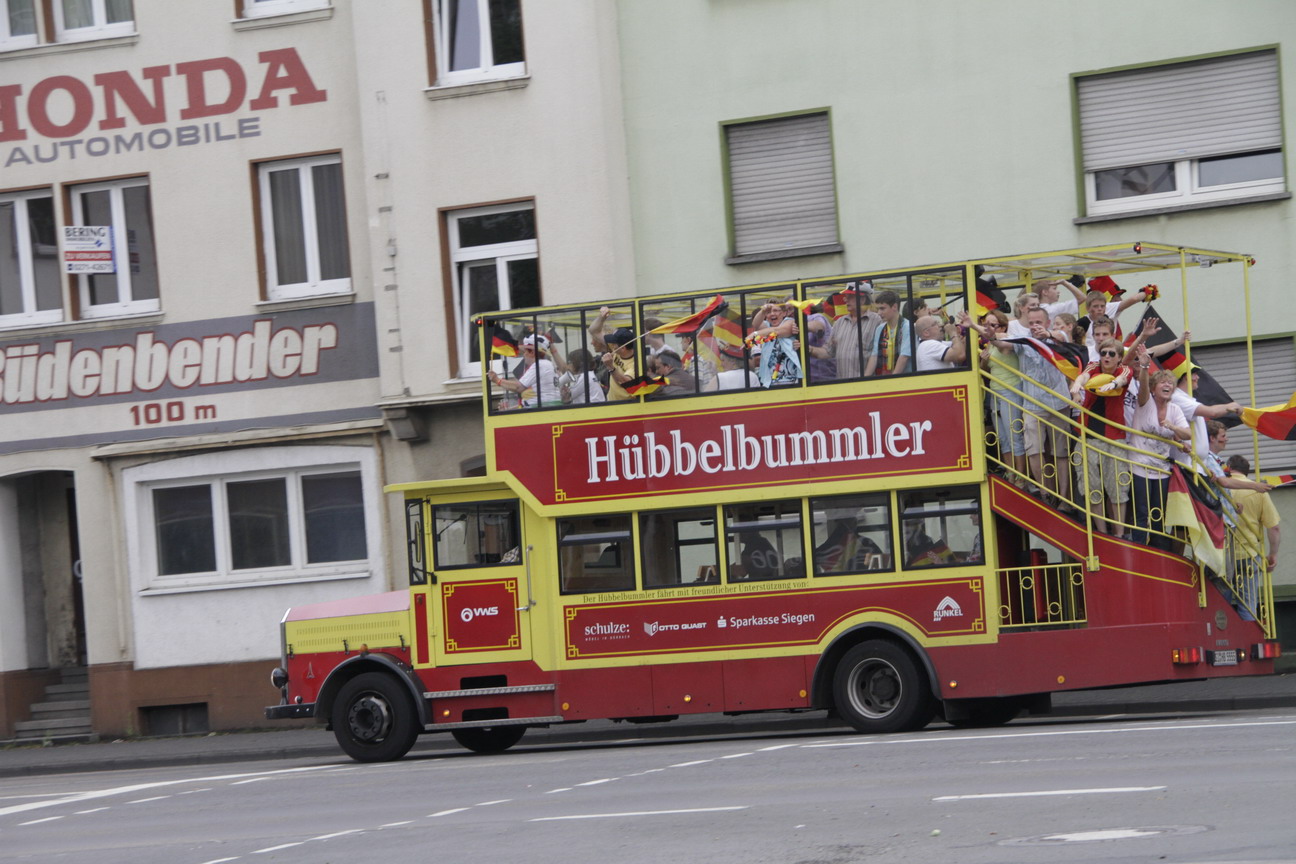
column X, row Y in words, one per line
column 468, row 613
column 947, row 608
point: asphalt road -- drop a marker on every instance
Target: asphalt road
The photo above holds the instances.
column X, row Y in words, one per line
column 1209, row 788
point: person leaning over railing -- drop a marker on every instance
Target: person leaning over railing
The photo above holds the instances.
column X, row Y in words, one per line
column 1104, row 417
column 1157, row 416
column 1006, row 402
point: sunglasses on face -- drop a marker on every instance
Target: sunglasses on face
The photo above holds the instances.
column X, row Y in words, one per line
column 1109, row 353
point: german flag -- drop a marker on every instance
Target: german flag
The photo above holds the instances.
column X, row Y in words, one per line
column 707, row 351
column 1106, row 285
column 503, row 342
column 690, row 323
column 728, row 328
column 836, row 306
column 1278, row 479
column 1276, row 421
column 645, row 384
column 1069, row 359
column 1205, row 526
column 984, row 303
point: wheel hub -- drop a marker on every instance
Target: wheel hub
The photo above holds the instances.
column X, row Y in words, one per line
column 370, row 718
column 877, row 688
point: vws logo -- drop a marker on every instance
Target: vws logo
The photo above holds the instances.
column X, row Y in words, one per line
column 468, row 613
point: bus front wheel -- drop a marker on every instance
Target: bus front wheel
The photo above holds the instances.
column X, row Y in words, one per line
column 374, row 718
column 879, row 687
column 489, row 739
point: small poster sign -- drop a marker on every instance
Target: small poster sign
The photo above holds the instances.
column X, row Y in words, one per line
column 88, row 249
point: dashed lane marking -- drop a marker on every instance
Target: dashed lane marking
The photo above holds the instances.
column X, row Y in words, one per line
column 631, row 813
column 1102, row 791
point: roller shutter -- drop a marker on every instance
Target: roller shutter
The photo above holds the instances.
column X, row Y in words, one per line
column 1275, row 379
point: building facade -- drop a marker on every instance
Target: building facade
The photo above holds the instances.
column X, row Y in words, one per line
column 775, row 141
column 242, row 242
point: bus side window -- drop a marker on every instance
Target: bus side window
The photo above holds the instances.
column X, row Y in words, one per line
column 678, row 546
column 595, row 554
column 476, row 534
column 765, row 541
column 941, row 527
column 852, row 533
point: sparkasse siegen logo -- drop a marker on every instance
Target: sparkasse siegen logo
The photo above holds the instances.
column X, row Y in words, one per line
column 947, row 608
column 468, row 613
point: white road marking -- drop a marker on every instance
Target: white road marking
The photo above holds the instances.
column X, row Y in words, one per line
column 338, row 834
column 778, row 747
column 1111, row 834
column 689, row 764
column 1103, row 791
column 38, row 821
column 446, row 812
column 634, row 813
column 92, row 810
column 253, row 780
column 736, row 755
column 597, row 782
column 397, row 824
column 78, row 797
column 222, row 860
column 489, row 803
column 277, row 848
column 559, row 789
column 146, row 800
column 993, row 736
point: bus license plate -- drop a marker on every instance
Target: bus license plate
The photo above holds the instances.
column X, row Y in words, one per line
column 1224, row 658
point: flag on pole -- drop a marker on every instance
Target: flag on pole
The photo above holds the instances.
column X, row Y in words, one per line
column 1276, row 421
column 1106, row 285
column 503, row 342
column 1278, row 479
column 690, row 323
column 645, row 384
column 984, row 303
column 1205, row 526
column 836, row 306
column 728, row 328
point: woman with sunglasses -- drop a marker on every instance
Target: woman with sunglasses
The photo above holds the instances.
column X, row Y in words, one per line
column 1100, row 389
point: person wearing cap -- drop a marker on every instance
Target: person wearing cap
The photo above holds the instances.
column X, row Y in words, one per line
column 618, row 355
column 538, row 382
column 851, row 339
column 735, row 375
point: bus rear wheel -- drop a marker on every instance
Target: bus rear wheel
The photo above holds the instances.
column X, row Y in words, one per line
column 879, row 687
column 489, row 739
column 374, row 718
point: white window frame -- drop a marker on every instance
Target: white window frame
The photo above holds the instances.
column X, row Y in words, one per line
column 126, row 303
column 502, row 253
column 1188, row 189
column 488, row 71
column 314, row 285
column 100, row 29
column 267, row 8
column 10, row 42
column 30, row 316
column 219, row 469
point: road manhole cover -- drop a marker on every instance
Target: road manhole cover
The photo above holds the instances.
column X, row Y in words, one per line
column 1100, row 834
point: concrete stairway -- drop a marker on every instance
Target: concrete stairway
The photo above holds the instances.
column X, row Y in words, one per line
column 64, row 714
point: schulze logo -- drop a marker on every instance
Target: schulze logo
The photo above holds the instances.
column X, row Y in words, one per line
column 947, row 608
column 468, row 613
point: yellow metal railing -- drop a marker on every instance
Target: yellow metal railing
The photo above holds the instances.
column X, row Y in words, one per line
column 1045, row 595
column 1087, row 484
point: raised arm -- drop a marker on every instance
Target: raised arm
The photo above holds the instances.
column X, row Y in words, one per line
column 1143, row 362
column 596, row 330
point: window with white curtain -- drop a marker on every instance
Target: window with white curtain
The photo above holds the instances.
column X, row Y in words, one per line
column 17, row 24
column 123, row 206
column 303, row 225
column 29, row 264
column 1196, row 132
column 495, row 265
column 76, row 20
column 478, row 40
column 782, row 190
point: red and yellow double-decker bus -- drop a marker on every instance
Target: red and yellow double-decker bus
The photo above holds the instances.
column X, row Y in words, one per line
column 789, row 497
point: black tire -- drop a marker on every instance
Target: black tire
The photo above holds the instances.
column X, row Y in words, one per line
column 489, row 739
column 984, row 713
column 374, row 718
column 879, row 687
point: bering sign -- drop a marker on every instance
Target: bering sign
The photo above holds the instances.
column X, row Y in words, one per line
column 67, row 110
column 881, row 435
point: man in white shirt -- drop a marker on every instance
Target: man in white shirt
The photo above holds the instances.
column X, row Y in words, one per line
column 935, row 352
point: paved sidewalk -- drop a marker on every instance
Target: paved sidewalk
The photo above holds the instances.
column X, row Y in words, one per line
column 1228, row 694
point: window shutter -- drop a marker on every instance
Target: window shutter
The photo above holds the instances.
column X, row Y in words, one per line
column 781, row 182
column 1275, row 379
column 1182, row 111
